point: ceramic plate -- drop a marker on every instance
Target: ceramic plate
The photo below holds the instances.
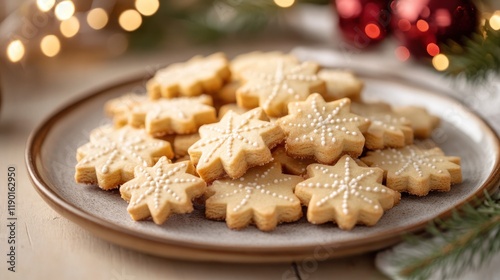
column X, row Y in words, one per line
column 50, row 158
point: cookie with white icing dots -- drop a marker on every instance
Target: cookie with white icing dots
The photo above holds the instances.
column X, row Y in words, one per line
column 193, row 77
column 416, row 170
column 323, row 130
column 119, row 108
column 280, row 121
column 387, row 129
column 263, row 196
column 182, row 115
column 233, row 145
column 340, row 84
column 162, row 190
column 272, row 86
column 345, row 194
column 110, row 157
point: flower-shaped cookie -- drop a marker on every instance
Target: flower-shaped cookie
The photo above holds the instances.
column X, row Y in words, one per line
column 322, row 130
column 263, row 196
column 112, row 154
column 182, row 115
column 345, row 193
column 272, row 86
column 162, row 190
column 415, row 170
column 234, row 144
column 194, row 77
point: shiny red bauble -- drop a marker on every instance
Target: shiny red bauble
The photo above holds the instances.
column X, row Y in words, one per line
column 363, row 23
column 421, row 26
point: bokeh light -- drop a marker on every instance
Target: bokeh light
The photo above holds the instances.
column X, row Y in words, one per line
column 422, row 25
column 432, row 49
column 147, row 7
column 130, row 20
column 15, row 51
column 495, row 21
column 284, row 3
column 50, row 45
column 64, row 10
column 372, row 31
column 69, row 27
column 97, row 18
column 45, row 5
column 440, row 62
column 402, row 53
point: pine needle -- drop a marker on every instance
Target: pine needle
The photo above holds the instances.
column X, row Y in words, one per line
column 477, row 58
column 467, row 240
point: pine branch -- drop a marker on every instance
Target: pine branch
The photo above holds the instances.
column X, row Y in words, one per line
column 467, row 240
column 477, row 58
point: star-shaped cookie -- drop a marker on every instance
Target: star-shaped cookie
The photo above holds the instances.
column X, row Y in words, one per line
column 416, row 170
column 422, row 122
column 322, row 130
column 290, row 165
column 345, row 193
column 162, row 190
column 112, row 154
column 263, row 196
column 387, row 129
column 234, row 144
column 340, row 84
column 272, row 86
column 120, row 107
column 194, row 77
column 182, row 115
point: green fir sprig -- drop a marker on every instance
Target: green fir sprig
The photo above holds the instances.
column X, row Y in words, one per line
column 467, row 240
column 477, row 57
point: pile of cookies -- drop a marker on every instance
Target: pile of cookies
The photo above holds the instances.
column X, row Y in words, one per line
column 287, row 135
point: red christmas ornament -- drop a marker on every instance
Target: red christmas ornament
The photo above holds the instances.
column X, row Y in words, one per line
column 363, row 22
column 422, row 25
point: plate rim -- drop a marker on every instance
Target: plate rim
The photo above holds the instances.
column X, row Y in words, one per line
column 103, row 228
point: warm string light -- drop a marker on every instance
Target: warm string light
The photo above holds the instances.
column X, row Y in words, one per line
column 440, row 62
column 97, row 18
column 50, row 45
column 495, row 21
column 147, row 7
column 130, row 20
column 45, row 5
column 69, row 27
column 284, row 3
column 64, row 10
column 15, row 51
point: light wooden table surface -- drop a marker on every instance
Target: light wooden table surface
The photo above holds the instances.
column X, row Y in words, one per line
column 51, row 247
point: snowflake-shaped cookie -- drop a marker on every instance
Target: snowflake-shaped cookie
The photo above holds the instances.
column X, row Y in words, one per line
column 415, row 170
column 182, row 115
column 194, row 77
column 345, row 193
column 112, row 154
column 162, row 190
column 290, row 165
column 120, row 107
column 248, row 60
column 387, row 129
column 421, row 121
column 234, row 144
column 323, row 130
column 272, row 86
column 340, row 84
column 263, row 196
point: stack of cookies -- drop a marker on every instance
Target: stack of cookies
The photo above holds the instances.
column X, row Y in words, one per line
column 287, row 135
